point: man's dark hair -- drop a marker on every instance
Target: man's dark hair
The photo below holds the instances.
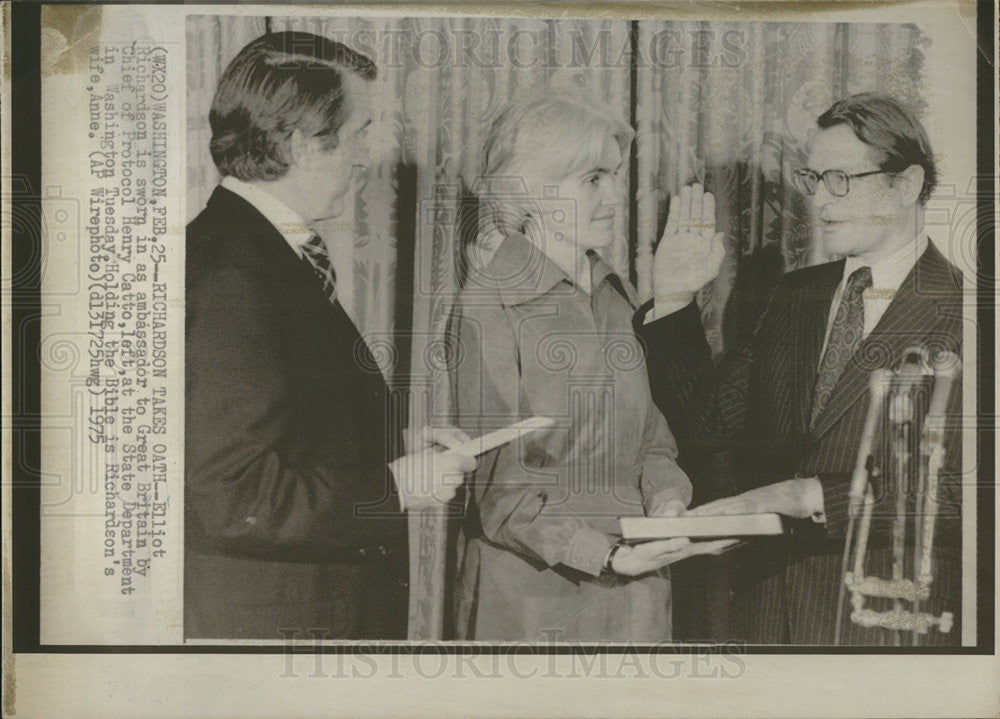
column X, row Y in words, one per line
column 894, row 134
column 279, row 83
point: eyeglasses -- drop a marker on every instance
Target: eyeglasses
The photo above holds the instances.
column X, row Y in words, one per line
column 837, row 182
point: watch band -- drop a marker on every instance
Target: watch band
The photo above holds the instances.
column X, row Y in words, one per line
column 611, row 555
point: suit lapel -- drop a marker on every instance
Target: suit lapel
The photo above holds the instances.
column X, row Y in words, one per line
column 265, row 246
column 908, row 320
column 811, row 314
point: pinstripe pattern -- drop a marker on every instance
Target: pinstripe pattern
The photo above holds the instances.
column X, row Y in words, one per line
column 757, row 404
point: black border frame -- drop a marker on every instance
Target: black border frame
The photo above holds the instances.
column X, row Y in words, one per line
column 25, row 381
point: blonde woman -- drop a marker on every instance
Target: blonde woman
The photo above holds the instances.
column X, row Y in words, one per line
column 544, row 327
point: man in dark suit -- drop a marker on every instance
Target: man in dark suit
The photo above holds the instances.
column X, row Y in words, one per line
column 790, row 404
column 293, row 522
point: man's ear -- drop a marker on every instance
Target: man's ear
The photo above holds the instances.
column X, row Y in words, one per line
column 301, row 149
column 910, row 182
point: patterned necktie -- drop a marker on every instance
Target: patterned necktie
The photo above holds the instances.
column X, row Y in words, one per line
column 316, row 255
column 845, row 336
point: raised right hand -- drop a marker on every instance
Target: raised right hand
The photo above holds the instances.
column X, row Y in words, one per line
column 690, row 251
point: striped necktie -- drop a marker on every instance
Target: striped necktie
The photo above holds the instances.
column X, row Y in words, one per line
column 845, row 336
column 316, row 255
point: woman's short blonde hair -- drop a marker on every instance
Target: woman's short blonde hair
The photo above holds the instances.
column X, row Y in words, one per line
column 547, row 138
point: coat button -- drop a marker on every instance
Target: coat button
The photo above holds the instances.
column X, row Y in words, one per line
column 363, row 552
column 382, row 550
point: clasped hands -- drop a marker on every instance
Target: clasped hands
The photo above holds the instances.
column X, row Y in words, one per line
column 797, row 498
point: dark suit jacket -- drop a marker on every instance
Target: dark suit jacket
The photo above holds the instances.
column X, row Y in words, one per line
column 757, row 402
column 291, row 519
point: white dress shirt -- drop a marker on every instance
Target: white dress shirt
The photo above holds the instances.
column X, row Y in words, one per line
column 285, row 220
column 887, row 277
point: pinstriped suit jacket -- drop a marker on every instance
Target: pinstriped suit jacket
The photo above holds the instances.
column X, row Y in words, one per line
column 756, row 403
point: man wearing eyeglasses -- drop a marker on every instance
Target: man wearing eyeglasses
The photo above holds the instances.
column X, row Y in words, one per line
column 789, row 405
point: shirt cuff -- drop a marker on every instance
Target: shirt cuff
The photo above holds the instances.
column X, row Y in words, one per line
column 815, row 499
column 641, row 315
column 651, row 313
column 835, row 502
column 399, row 468
column 587, row 551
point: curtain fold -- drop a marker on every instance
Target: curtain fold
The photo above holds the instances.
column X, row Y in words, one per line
column 212, row 42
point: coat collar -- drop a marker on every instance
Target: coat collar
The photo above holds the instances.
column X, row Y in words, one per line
column 238, row 218
column 283, row 218
column 520, row 272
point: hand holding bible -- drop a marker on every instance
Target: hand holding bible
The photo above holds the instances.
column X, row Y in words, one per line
column 633, row 560
column 796, row 498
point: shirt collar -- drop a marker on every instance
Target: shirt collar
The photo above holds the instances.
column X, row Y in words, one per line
column 890, row 271
column 522, row 272
column 285, row 220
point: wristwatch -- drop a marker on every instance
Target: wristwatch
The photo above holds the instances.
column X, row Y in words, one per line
column 611, row 555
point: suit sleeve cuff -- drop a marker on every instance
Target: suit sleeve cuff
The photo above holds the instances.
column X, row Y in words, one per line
column 685, row 320
column 587, row 550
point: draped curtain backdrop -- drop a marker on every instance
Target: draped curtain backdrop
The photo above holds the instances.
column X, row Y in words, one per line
column 728, row 104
